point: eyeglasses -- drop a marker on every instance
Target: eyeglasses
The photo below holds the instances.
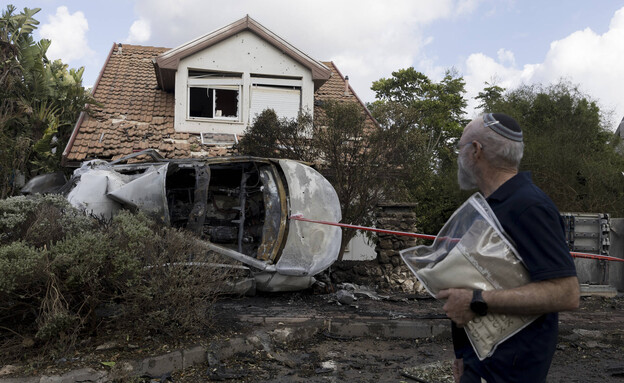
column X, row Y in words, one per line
column 459, row 146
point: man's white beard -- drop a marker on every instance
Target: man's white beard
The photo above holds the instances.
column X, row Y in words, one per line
column 465, row 175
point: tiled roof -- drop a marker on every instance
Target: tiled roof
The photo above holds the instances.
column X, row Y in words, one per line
column 337, row 89
column 135, row 115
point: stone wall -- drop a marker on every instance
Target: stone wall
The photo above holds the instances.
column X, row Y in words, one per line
column 388, row 272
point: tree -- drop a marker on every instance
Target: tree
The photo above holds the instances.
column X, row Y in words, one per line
column 429, row 116
column 270, row 136
column 569, row 149
column 357, row 157
column 40, row 101
column 490, row 95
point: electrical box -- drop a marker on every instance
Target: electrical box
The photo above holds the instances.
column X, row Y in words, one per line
column 589, row 233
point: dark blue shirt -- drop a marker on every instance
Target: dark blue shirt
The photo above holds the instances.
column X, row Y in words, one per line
column 534, row 224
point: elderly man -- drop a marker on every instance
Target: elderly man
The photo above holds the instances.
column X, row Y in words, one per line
column 490, row 151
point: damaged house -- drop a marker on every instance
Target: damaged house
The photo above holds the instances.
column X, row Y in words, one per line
column 196, row 99
column 186, row 107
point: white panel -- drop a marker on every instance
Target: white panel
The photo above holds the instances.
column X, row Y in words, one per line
column 285, row 102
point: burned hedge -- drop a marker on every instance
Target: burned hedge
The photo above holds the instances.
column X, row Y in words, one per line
column 64, row 274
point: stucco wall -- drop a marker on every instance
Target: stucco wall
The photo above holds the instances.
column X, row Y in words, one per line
column 244, row 53
column 360, row 249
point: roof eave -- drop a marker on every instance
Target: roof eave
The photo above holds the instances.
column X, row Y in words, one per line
column 167, row 63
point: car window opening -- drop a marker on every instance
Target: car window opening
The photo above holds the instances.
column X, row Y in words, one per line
column 234, row 209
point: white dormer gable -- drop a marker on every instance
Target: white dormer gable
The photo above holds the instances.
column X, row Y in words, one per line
column 222, row 88
column 224, row 79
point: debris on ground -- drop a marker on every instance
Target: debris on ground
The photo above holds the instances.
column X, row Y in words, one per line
column 273, row 349
column 439, row 372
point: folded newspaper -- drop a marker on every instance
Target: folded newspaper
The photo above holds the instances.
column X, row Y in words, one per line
column 472, row 252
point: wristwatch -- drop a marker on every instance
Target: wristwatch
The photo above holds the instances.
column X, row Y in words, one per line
column 477, row 304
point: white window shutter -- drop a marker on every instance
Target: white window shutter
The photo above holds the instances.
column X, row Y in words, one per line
column 286, row 102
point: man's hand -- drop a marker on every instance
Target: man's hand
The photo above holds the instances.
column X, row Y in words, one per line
column 535, row 298
column 457, row 306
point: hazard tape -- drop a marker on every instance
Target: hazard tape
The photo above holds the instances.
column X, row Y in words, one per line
column 596, row 256
column 299, row 217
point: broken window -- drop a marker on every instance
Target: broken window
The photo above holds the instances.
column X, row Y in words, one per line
column 214, row 95
column 213, row 103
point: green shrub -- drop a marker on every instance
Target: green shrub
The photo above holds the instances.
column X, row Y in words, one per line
column 18, row 265
column 176, row 296
column 60, row 268
column 40, row 220
column 136, row 240
column 81, row 259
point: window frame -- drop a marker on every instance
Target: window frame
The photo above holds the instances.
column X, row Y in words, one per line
column 214, row 84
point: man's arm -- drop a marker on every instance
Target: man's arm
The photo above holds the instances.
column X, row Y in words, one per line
column 552, row 295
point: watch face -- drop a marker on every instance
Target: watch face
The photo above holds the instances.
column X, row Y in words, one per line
column 479, row 307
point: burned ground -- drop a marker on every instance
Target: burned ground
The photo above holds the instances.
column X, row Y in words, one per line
column 590, row 347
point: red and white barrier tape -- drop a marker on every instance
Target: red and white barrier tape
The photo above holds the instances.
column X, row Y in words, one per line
column 299, row 217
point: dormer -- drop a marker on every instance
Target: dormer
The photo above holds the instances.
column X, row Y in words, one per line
column 222, row 80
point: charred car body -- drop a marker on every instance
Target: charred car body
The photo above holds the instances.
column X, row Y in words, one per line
column 239, row 206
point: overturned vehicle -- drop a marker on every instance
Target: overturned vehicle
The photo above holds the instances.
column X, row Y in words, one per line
column 237, row 206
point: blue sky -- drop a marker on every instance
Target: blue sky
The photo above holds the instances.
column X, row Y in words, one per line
column 509, row 42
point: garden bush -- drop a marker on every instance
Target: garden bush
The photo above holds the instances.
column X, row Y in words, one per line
column 65, row 275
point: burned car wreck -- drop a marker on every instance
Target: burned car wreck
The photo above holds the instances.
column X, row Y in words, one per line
column 237, row 206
